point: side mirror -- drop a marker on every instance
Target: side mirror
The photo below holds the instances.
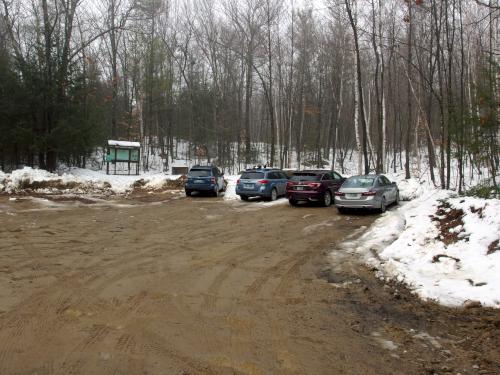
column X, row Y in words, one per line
column 393, row 183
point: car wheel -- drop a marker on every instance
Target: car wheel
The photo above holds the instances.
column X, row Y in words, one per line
column 383, row 205
column 244, row 197
column 274, row 194
column 396, row 202
column 293, row 202
column 327, row 199
column 188, row 193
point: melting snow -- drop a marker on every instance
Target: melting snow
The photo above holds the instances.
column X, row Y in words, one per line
column 403, row 244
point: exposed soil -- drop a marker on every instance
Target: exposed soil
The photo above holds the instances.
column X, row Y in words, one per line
column 448, row 219
column 170, row 285
column 141, row 185
column 493, row 247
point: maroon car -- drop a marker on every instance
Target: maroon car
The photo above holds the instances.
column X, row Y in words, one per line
column 313, row 186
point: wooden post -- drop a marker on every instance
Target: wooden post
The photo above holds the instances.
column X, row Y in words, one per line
column 129, row 157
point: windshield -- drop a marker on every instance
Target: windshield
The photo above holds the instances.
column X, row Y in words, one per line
column 305, row 177
column 199, row 173
column 358, row 182
column 252, row 175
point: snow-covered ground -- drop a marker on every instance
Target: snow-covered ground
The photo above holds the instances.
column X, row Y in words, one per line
column 448, row 263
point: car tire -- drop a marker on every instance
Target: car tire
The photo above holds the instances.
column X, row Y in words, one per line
column 396, row 202
column 244, row 197
column 293, row 202
column 188, row 193
column 327, row 199
column 216, row 191
column 274, row 195
column 383, row 205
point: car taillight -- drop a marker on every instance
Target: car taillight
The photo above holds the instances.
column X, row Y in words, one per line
column 368, row 194
column 314, row 185
column 289, row 185
column 339, row 194
column 238, row 181
column 213, row 180
column 263, row 182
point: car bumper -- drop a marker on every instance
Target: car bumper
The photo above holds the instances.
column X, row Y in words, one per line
column 357, row 203
column 312, row 196
column 262, row 192
column 199, row 187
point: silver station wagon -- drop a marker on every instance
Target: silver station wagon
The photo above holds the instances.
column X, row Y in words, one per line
column 368, row 192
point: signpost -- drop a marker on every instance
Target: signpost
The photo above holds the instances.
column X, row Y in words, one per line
column 123, row 152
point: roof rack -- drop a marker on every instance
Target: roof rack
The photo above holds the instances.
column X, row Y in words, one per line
column 255, row 167
column 202, row 165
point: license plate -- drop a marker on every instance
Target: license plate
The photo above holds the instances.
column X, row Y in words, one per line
column 352, row 196
column 199, row 181
column 248, row 186
column 300, row 188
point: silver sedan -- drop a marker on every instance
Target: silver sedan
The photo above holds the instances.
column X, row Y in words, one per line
column 367, row 191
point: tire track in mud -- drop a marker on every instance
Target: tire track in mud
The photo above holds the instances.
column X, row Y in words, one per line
column 298, row 261
column 235, row 261
column 33, row 321
column 53, row 319
column 278, row 342
column 143, row 323
column 50, row 316
column 272, row 272
column 162, row 347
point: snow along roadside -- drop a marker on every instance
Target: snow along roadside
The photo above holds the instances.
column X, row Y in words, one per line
column 406, row 245
column 77, row 181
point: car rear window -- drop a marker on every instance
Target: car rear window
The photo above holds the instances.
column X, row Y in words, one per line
column 252, row 175
column 305, row 177
column 359, row 182
column 199, row 173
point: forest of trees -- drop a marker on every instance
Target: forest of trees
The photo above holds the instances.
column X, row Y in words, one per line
column 302, row 84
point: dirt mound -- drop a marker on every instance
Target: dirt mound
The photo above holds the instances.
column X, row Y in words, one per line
column 144, row 185
column 59, row 186
column 49, row 184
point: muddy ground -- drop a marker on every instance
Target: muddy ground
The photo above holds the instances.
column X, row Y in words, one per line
column 162, row 284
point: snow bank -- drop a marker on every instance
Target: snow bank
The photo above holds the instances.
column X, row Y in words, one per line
column 77, row 180
column 230, row 193
column 409, row 245
column 2, row 181
column 43, row 181
column 409, row 188
column 123, row 183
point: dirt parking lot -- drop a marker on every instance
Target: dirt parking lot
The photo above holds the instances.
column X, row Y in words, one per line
column 171, row 285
